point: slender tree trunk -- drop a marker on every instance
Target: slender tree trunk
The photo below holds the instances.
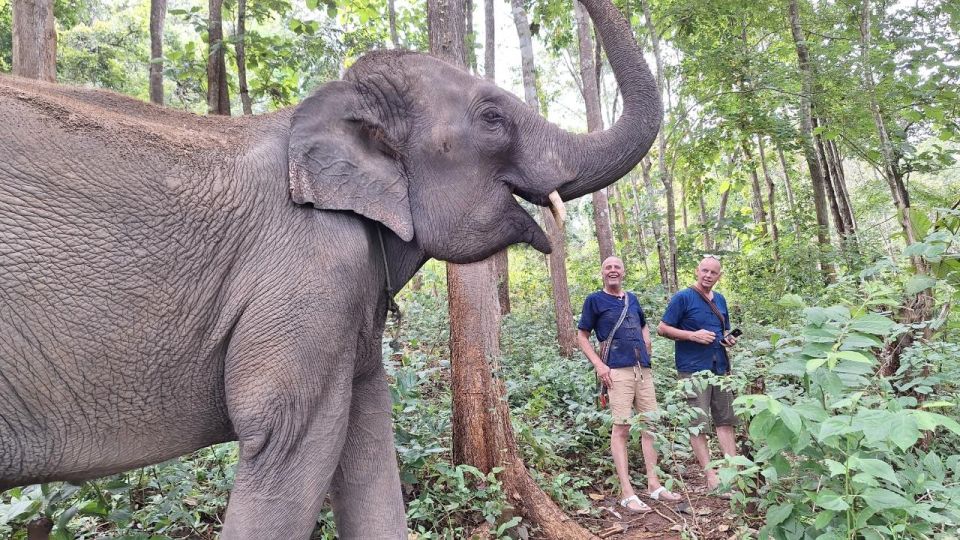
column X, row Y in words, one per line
column 158, row 14
column 471, row 38
column 34, row 40
column 756, row 203
column 846, row 207
column 482, row 433
column 619, row 213
column 683, row 207
column 501, row 259
column 838, row 224
column 704, row 225
column 771, row 199
column 392, row 16
column 218, row 98
column 809, row 148
column 557, row 260
column 787, row 184
column 663, row 256
column 242, row 56
column 919, row 307
column 591, row 97
column 641, row 237
column 665, row 176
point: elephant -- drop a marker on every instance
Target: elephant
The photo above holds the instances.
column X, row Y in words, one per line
column 170, row 281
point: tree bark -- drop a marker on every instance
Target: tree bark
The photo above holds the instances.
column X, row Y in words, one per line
column 34, row 40
column 704, row 225
column 665, row 176
column 242, row 56
column 641, row 236
column 919, row 307
column 771, row 199
column 482, row 433
column 663, row 256
column 846, row 206
column 591, row 97
column 787, row 184
column 756, row 203
column 158, row 15
column 831, row 194
column 489, row 42
column 392, row 16
column 218, row 97
column 809, row 148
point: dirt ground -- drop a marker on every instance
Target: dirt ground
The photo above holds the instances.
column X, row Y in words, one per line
column 702, row 516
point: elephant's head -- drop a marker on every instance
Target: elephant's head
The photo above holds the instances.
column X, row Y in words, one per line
column 436, row 154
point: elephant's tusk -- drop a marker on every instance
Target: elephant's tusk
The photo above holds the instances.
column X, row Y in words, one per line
column 557, row 209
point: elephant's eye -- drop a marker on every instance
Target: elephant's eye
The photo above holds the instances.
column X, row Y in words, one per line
column 491, row 116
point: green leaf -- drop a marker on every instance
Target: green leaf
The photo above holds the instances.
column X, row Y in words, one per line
column 823, row 519
column 791, row 419
column 904, row 431
column 884, row 499
column 876, row 468
column 836, row 468
column 791, row 301
column 855, row 356
column 919, row 283
column 831, row 501
column 920, row 221
column 813, row 364
column 928, row 421
column 777, row 514
column 872, row 323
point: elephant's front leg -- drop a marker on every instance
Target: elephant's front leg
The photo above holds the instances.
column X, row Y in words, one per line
column 290, row 413
column 367, row 500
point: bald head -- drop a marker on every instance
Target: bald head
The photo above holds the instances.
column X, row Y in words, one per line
column 708, row 273
column 612, row 271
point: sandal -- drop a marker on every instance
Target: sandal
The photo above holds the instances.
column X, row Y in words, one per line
column 625, row 503
column 665, row 495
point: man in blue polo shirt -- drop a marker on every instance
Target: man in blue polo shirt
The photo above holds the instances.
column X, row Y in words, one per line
column 701, row 341
column 626, row 374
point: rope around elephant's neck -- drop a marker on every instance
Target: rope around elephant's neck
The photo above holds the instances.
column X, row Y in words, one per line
column 392, row 306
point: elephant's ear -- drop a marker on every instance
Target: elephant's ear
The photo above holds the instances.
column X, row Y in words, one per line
column 340, row 158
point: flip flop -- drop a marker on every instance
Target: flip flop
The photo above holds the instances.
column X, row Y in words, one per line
column 625, row 503
column 665, row 495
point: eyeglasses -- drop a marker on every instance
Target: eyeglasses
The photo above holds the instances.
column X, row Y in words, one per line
column 711, row 256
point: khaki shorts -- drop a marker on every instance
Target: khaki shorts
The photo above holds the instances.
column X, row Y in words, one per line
column 712, row 400
column 632, row 389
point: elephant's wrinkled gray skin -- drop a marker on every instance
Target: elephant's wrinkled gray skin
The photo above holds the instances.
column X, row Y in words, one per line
column 164, row 286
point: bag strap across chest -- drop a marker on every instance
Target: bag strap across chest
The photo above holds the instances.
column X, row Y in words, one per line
column 605, row 346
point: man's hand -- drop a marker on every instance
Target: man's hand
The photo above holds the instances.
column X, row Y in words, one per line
column 728, row 341
column 604, row 373
column 703, row 337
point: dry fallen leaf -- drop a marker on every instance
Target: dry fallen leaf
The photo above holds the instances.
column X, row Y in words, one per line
column 704, row 511
column 597, row 496
column 678, row 527
column 723, row 528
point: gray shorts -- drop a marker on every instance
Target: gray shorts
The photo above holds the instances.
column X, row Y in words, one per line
column 712, row 400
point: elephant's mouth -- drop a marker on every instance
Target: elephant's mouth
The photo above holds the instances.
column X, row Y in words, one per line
column 552, row 200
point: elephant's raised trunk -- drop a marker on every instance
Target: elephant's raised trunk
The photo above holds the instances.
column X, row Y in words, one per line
column 598, row 159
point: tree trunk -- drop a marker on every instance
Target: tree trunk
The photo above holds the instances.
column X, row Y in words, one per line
column 663, row 257
column 809, row 148
column 665, row 177
column 218, row 97
column 641, row 237
column 34, row 40
column 771, row 199
column 470, row 38
column 482, row 433
column 756, row 203
column 242, row 56
column 846, row 206
column 502, row 259
column 591, row 97
column 831, row 194
column 788, row 185
column 917, row 308
column 392, row 16
column 557, row 260
column 683, row 207
column 619, row 213
column 704, row 225
column 158, row 14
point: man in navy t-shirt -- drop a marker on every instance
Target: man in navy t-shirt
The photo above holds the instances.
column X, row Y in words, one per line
column 626, row 374
column 701, row 342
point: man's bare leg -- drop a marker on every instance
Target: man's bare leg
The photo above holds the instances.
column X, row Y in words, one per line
column 702, row 452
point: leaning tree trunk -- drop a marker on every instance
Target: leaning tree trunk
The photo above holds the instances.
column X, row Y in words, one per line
column 919, row 307
column 218, row 97
column 34, row 40
column 482, row 433
column 756, row 203
column 809, row 148
column 557, row 260
column 665, row 176
column 158, row 14
column 641, row 236
column 591, row 97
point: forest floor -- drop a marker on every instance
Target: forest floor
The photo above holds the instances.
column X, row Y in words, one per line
column 703, row 516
